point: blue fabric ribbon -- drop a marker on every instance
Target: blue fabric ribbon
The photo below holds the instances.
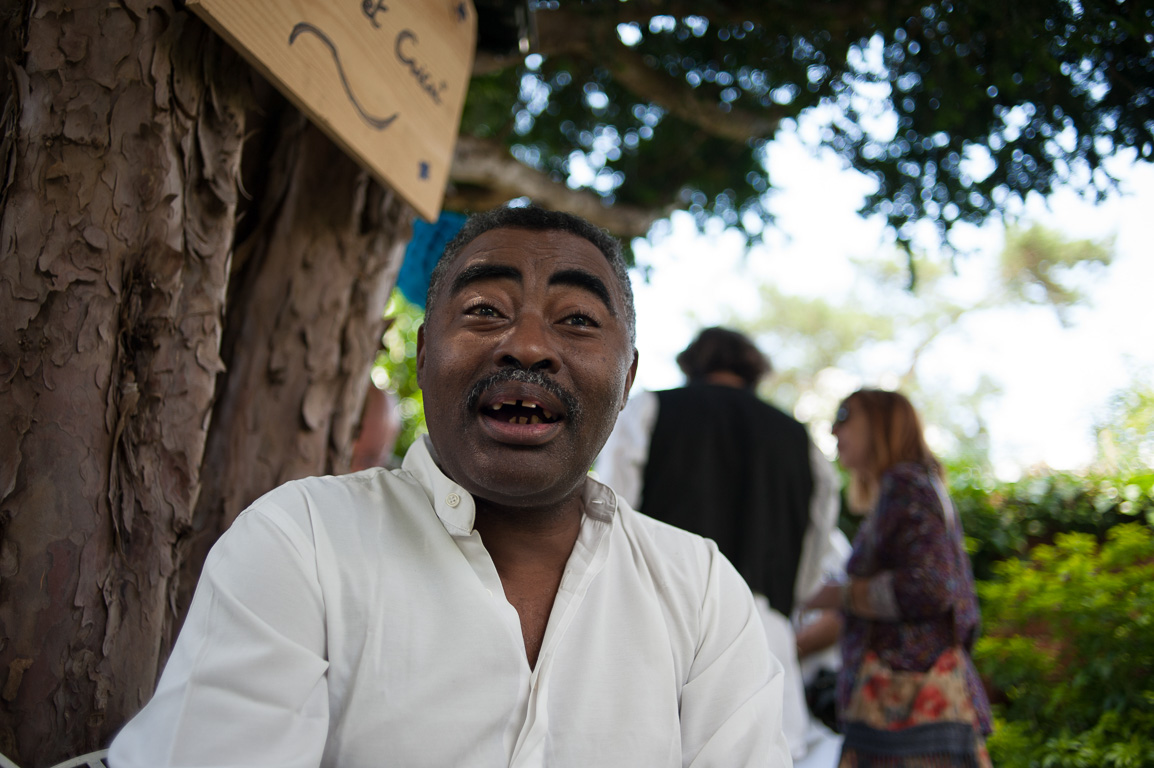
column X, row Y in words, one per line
column 424, row 251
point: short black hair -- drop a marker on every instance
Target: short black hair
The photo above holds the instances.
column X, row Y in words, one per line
column 720, row 349
column 538, row 219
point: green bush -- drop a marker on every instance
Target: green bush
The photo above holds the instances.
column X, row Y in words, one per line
column 395, row 369
column 1069, row 645
column 1005, row 520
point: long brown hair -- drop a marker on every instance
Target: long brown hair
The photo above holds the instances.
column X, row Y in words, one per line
column 895, row 436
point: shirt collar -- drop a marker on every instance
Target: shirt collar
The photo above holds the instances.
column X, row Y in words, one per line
column 599, row 500
column 454, row 505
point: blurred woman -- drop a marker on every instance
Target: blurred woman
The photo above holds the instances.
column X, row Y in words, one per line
column 908, row 692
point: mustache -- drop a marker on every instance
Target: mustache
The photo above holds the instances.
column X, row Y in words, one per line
column 525, row 376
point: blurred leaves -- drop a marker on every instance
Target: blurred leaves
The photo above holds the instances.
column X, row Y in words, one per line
column 1039, row 266
column 1126, row 431
column 395, row 369
column 811, row 339
column 1004, row 520
column 954, row 108
column 1069, row 646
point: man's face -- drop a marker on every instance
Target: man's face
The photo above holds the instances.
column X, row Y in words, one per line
column 525, row 362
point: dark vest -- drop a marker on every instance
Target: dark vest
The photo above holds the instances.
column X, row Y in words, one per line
column 734, row 469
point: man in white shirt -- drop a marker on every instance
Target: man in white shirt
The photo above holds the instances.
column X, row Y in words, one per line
column 488, row 604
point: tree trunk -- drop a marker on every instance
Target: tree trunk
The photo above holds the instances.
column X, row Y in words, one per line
column 304, row 327
column 126, row 445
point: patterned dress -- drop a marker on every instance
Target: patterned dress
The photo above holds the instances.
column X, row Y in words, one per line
column 906, row 542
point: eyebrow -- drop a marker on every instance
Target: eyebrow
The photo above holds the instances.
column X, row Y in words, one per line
column 580, row 279
column 576, row 278
column 477, row 272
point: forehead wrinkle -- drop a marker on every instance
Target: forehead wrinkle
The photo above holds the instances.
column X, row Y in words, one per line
column 579, row 278
column 477, row 272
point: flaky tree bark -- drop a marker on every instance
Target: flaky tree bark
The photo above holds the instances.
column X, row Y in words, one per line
column 114, row 264
column 305, row 328
column 149, row 387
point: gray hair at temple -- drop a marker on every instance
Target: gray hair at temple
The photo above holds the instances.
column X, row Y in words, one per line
column 720, row 349
column 540, row 220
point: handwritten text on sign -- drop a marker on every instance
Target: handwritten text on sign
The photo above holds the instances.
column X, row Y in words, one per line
column 386, row 79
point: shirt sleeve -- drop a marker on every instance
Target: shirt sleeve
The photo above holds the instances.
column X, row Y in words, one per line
column 816, row 545
column 246, row 683
column 621, row 464
column 921, row 580
column 731, row 704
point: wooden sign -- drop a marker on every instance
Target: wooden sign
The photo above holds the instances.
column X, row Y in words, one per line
column 385, row 79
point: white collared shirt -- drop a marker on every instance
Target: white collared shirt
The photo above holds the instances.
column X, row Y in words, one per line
column 359, row 621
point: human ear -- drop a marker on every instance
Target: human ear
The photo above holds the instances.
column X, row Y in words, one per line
column 420, row 354
column 629, row 381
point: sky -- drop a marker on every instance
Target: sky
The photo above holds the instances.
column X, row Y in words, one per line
column 1055, row 379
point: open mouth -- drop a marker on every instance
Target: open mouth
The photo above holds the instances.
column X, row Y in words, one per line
column 520, row 412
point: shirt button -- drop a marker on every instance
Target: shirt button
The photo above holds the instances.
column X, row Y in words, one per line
column 452, row 499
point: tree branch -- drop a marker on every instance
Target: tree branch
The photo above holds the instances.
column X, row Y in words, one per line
column 484, row 175
column 594, row 38
column 677, row 98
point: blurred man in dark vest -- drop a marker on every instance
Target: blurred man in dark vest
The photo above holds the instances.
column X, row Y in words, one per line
column 713, row 458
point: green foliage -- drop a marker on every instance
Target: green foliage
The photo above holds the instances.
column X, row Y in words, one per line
column 954, row 109
column 1026, row 73
column 1126, row 433
column 1070, row 643
column 882, row 317
column 1037, row 264
column 395, row 368
column 1004, row 521
column 808, row 335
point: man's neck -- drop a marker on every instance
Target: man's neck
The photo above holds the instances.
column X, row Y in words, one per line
column 725, row 379
column 529, row 533
column 530, row 549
